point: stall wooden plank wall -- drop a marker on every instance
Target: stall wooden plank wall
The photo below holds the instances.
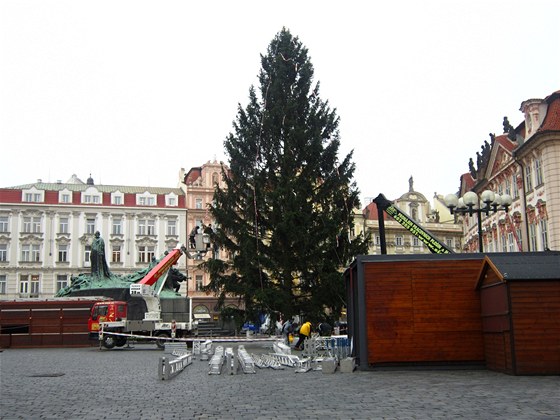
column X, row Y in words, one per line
column 45, row 323
column 521, row 325
column 423, row 311
column 536, row 326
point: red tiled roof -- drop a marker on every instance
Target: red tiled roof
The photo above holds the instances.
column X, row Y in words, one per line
column 506, row 143
column 370, row 211
column 552, row 119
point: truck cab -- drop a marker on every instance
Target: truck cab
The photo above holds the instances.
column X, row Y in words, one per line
column 105, row 311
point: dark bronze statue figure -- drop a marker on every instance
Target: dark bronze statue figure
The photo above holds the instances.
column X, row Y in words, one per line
column 99, row 266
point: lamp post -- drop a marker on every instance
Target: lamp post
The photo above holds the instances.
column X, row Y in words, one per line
column 471, row 203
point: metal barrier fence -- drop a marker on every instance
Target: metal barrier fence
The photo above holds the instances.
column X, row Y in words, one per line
column 168, row 369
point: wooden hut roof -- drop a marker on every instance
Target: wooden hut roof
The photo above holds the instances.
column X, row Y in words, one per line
column 522, row 266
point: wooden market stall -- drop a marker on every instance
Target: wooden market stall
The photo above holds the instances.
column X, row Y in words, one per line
column 520, row 302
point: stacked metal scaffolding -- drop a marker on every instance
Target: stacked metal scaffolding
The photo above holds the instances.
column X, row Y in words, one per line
column 216, row 362
column 245, row 360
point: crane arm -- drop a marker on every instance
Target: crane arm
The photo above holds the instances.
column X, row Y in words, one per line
column 163, row 266
column 433, row 244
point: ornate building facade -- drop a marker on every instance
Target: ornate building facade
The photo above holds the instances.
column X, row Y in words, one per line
column 198, row 186
column 435, row 218
column 46, row 230
column 523, row 162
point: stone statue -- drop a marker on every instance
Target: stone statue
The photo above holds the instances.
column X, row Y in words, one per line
column 99, row 266
column 410, row 184
column 472, row 170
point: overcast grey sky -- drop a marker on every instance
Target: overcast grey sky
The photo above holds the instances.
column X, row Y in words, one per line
column 132, row 91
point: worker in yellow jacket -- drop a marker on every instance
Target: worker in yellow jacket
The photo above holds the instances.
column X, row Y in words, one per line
column 304, row 332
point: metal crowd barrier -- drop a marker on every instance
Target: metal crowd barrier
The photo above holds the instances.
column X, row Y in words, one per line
column 168, row 369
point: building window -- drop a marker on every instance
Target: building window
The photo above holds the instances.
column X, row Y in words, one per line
column 3, row 252
column 146, row 253
column 26, row 253
column 508, row 186
column 34, row 286
column 87, row 254
column 30, row 253
column 538, row 173
column 171, row 200
column 62, row 253
column 146, row 201
column 399, row 240
column 117, row 200
column 117, row 227
column 35, row 253
column 519, row 238
column 141, row 227
column 4, row 224
column 543, row 225
column 116, row 254
column 377, row 240
column 198, row 283
column 63, row 225
column 27, row 224
column 32, row 225
column 151, row 227
column 3, row 284
column 36, row 224
column 449, row 243
column 65, row 198
column 29, row 285
column 533, row 237
column 415, row 241
column 32, row 197
column 511, row 242
column 61, row 282
column 528, row 178
column 146, row 227
column 198, row 203
column 504, row 243
column 91, row 199
column 90, row 226
column 24, row 284
column 515, row 187
column 172, row 227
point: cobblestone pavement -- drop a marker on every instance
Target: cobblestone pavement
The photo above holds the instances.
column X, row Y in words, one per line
column 88, row 383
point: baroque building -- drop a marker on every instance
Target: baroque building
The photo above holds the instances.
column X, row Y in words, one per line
column 198, row 186
column 523, row 162
column 435, row 218
column 46, row 230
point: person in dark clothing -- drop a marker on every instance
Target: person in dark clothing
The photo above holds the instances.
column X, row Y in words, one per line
column 210, row 232
column 324, row 329
column 192, row 235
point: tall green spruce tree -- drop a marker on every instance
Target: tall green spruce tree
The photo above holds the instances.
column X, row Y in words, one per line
column 286, row 213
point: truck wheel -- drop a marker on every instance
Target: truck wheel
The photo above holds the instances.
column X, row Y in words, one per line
column 120, row 341
column 109, row 341
column 161, row 343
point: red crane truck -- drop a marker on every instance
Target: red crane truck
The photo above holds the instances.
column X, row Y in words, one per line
column 113, row 322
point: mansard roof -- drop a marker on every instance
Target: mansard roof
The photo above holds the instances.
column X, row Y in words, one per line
column 126, row 189
column 552, row 120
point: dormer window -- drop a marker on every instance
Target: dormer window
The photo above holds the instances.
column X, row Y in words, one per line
column 535, row 111
column 117, row 198
column 91, row 196
column 146, row 199
column 171, row 200
column 33, row 195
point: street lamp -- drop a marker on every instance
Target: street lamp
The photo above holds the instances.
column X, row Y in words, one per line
column 471, row 203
